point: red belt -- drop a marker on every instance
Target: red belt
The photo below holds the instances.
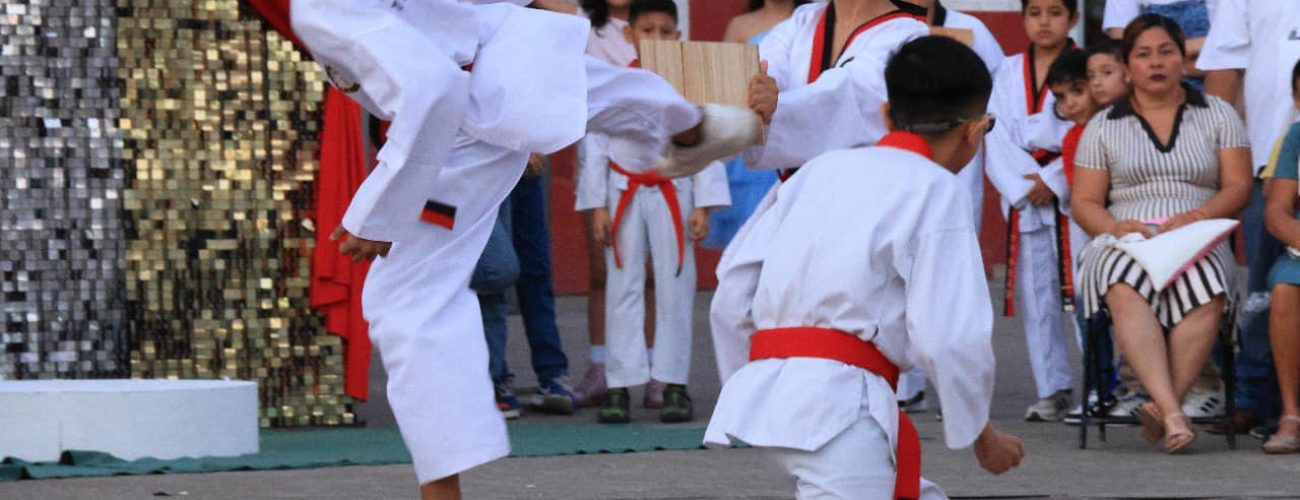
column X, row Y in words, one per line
column 667, row 189
column 825, row 343
column 1064, row 268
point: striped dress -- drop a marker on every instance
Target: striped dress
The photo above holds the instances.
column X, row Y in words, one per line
column 1152, row 181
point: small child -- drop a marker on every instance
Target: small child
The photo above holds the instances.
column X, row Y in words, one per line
column 1023, row 164
column 648, row 211
column 834, row 315
column 1107, row 75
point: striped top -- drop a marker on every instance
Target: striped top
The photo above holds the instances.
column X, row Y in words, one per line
column 1150, row 180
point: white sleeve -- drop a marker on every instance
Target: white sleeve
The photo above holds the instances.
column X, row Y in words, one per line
column 709, row 187
column 1119, row 13
column 840, row 110
column 1005, row 162
column 775, row 49
column 1228, row 44
column 1053, row 176
column 988, row 48
column 950, row 325
column 593, row 174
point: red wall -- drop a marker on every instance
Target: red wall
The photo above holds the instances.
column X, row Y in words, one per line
column 708, row 21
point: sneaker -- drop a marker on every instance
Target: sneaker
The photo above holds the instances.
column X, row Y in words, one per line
column 1095, row 407
column 507, row 402
column 1049, row 409
column 554, row 396
column 1202, row 403
column 724, row 131
column 591, row 389
column 1126, row 407
column 617, row 408
column 677, row 405
column 916, row 404
column 654, row 394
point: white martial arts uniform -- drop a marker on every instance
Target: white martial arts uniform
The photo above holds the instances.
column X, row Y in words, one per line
column 972, row 176
column 646, row 229
column 1019, row 132
column 817, row 111
column 875, row 242
column 457, row 145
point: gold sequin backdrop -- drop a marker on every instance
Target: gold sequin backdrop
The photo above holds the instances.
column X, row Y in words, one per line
column 218, row 118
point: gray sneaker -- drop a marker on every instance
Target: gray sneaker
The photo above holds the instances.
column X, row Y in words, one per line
column 1050, row 409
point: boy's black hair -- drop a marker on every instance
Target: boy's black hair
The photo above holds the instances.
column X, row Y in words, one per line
column 1070, row 5
column 1106, row 46
column 1146, row 22
column 1295, row 77
column 1071, row 66
column 758, row 4
column 640, row 7
column 935, row 79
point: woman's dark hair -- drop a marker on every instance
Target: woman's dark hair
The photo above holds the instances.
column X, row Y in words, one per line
column 597, row 11
column 1295, row 75
column 758, row 4
column 1106, row 46
column 935, row 79
column 1146, row 22
column 1070, row 5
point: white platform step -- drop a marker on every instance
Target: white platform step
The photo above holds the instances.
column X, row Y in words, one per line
column 129, row 419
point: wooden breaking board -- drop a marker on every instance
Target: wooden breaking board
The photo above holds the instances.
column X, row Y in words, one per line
column 704, row 72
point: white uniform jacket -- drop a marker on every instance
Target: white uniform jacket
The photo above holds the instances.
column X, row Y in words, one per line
column 876, row 242
column 1019, row 131
column 600, row 187
column 842, row 107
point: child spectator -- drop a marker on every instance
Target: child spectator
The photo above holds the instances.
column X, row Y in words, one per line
column 1023, row 164
column 648, row 211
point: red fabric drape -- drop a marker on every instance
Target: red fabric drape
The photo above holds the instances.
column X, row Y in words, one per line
column 335, row 281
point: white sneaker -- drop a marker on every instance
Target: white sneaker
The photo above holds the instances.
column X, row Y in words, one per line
column 1050, row 409
column 724, row 131
column 1201, row 403
column 1128, row 405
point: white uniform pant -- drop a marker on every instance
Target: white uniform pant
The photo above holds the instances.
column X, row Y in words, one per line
column 425, row 321
column 858, row 464
column 1038, row 286
column 647, row 226
column 637, row 105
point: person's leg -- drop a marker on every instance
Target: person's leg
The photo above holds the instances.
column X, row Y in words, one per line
column 1284, row 328
column 496, row 271
column 1037, row 280
column 636, row 105
column 856, row 464
column 1256, row 384
column 627, row 364
column 427, row 326
column 675, row 303
column 1190, row 343
column 535, row 288
column 591, row 389
column 447, row 488
column 1142, row 341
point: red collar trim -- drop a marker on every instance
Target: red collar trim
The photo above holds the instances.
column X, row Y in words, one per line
column 825, row 36
column 907, row 141
column 1034, row 101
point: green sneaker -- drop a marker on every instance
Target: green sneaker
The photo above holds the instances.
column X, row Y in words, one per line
column 617, row 408
column 677, row 405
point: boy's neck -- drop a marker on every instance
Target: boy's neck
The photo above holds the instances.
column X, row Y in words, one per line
column 857, row 12
column 1048, row 54
column 619, row 13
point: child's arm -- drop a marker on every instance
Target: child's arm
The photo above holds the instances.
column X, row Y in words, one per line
column 1006, row 164
column 709, row 190
column 593, row 186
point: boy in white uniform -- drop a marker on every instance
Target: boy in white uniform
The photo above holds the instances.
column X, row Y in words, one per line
column 1023, row 163
column 463, row 123
column 648, row 213
column 873, row 266
column 822, row 91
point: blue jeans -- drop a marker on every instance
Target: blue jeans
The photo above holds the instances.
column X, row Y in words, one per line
column 526, row 236
column 1257, row 390
column 497, row 270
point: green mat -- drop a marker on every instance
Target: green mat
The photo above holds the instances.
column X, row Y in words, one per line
column 312, row 448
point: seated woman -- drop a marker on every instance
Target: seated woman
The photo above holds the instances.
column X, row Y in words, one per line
column 1280, row 215
column 1166, row 156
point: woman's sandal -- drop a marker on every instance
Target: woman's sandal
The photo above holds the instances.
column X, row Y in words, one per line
column 1179, row 432
column 1153, row 427
column 1278, row 444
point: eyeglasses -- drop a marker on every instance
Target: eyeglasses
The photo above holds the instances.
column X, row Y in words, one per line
column 934, row 128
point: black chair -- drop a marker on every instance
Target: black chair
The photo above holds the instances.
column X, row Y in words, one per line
column 1096, row 376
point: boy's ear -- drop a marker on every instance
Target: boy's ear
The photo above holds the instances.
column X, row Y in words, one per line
column 629, row 34
column 677, row 35
column 884, row 113
column 974, row 135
